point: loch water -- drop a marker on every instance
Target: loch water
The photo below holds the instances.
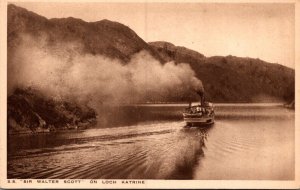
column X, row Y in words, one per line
column 150, row 141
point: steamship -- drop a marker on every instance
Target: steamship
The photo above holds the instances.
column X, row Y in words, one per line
column 199, row 115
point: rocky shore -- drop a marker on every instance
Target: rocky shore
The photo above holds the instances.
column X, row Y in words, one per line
column 29, row 111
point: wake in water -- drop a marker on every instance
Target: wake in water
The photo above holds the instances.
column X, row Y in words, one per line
column 164, row 151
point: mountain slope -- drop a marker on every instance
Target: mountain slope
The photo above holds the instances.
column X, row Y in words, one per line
column 234, row 79
column 104, row 37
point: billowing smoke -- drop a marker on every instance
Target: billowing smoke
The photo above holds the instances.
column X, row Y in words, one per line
column 64, row 71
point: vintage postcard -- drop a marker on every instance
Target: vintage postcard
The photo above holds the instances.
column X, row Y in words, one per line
column 149, row 94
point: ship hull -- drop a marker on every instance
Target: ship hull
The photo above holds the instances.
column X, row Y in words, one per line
column 199, row 121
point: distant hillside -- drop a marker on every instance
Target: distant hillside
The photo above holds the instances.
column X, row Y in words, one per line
column 234, row 79
column 170, row 52
column 226, row 79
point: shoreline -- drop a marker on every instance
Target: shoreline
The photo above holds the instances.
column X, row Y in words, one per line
column 52, row 129
column 170, row 104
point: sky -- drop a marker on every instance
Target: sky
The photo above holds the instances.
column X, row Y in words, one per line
column 258, row 30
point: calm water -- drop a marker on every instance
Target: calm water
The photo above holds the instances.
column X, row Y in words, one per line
column 247, row 141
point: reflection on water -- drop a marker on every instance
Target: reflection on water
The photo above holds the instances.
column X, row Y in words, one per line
column 249, row 150
column 151, row 142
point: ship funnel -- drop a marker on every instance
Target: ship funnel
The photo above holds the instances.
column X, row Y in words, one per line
column 199, row 89
column 202, row 99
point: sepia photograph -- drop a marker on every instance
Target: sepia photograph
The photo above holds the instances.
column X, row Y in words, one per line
column 112, row 93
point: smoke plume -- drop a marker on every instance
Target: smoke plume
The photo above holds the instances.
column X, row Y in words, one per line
column 65, row 71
